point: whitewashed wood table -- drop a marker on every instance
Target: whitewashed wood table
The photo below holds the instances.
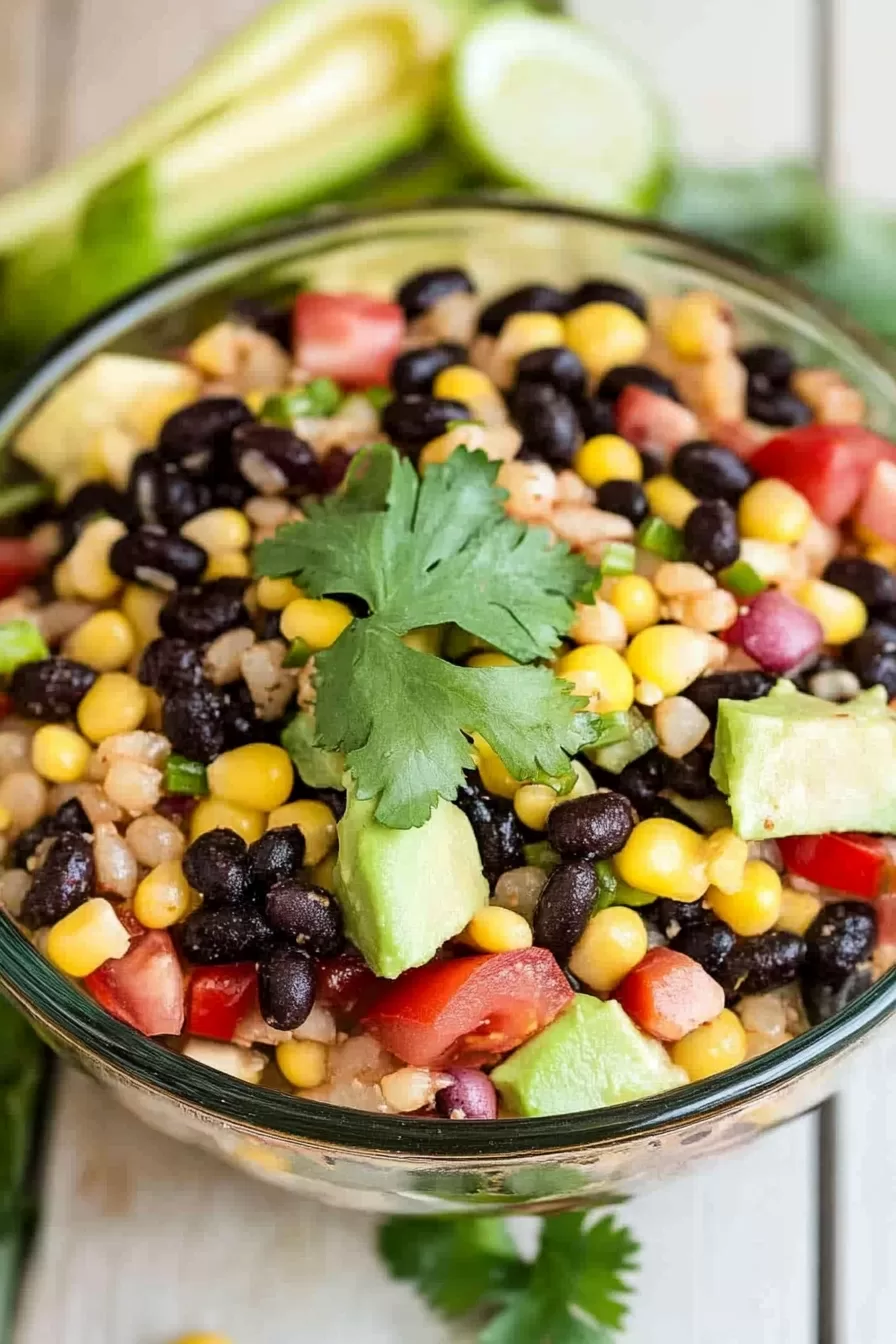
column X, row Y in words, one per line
column 791, row 1241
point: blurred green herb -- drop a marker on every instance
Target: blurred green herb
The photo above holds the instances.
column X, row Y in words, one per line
column 21, row 1071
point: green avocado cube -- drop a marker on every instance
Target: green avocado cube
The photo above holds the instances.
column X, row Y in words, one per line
column 592, row 1055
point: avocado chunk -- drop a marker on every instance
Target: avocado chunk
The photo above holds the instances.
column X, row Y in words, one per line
column 404, row 893
column 792, row 764
column 317, row 767
column 592, row 1055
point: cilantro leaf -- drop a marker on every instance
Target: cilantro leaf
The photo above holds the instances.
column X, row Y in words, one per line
column 456, row 1264
column 403, row 720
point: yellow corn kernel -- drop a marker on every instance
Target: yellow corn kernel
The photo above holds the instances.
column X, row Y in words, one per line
column 86, row 937
column 841, row 614
column 669, row 656
column 726, row 859
column 670, row 500
column 492, row 770
column 665, row 858
column 533, row 804
column 152, row 720
column 699, row 326
column 6, row 818
column 601, row 674
column 211, row 813
column 525, row 332
column 163, row 897
column 604, row 335
column 426, row 639
column 491, row 660
column 59, row 753
column 461, row 382
column 104, row 642
column 275, row 594
column 87, row 563
column 719, row 1045
column 228, row 565
column 798, row 909
column 607, row 457
column 318, row 621
column 469, row 435
column 497, row 929
column 316, row 822
column 257, row 775
column 303, row 1063
column 219, row 530
column 637, row 602
column 115, row 703
column 612, row 944
column 878, row 551
column 141, row 606
column 323, row 874
column 63, row 585
column 147, row 415
column 755, row 907
column 771, row 510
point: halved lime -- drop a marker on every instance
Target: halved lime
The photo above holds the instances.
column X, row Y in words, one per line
column 543, row 103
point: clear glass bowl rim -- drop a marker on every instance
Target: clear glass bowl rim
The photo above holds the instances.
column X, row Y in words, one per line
column 70, row 1017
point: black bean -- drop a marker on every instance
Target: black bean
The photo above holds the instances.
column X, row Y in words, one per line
column 335, row 800
column 410, row 422
column 168, row 665
column 710, row 943
column 641, row 780
column 277, row 855
column 225, row 935
column 469, row 1096
column 203, row 613
column 595, row 416
column 771, row 362
column 652, row 464
column 564, row 907
column 192, row 720
column 202, row 430
column 229, row 489
column 422, row 291
column 273, row 457
column 217, row 865
column 88, row 502
column 593, row 827
column 874, row 584
column 64, row 881
column 689, row 775
column 711, row 537
column 306, row 913
column 840, row 937
column 768, row 961
column 706, row 692
column 274, row 321
column 608, row 291
column 159, row 492
column 548, row 423
column 495, row 825
column 286, row 985
column 50, row 689
column 415, row 371
column 527, row 299
column 556, row 365
column 69, row 816
column 873, row 657
column 672, row 916
column 239, row 719
column 712, row 472
column 615, row 381
column 779, row 408
column 158, row 558
column 823, row 1001
column 625, row 498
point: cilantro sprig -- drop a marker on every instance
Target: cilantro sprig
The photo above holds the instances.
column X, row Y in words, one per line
column 424, row 553
column 573, row 1292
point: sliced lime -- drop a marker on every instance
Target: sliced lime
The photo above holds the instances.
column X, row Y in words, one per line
column 543, row 103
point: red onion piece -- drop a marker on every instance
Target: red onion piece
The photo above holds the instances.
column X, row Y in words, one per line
column 778, row 632
column 471, row 1096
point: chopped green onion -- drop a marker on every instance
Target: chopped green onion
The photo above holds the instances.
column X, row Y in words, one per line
column 611, row 728
column 626, row 895
column 607, row 885
column 320, row 397
column 19, row 498
column 379, row 397
column 20, row 642
column 661, row 538
column 540, row 854
column 297, row 654
column 185, row 776
column 742, row 580
column 618, row 559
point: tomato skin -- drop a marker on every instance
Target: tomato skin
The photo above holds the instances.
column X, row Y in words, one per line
column 649, row 420
column 829, row 464
column 846, row 861
column 19, row 561
column 218, row 997
column 669, row 994
column 145, row 987
column 347, row 984
column 469, row 1010
column 349, row 337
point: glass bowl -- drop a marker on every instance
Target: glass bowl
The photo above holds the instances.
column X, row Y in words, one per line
column 399, row 1164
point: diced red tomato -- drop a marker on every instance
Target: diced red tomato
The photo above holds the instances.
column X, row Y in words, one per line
column 858, row 864
column 830, row 464
column 877, row 510
column 145, row 987
column 19, row 561
column 669, row 994
column 885, row 909
column 218, row 997
column 349, row 337
column 347, row 984
column 649, row 420
column 5, row 704
column 470, row 1010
